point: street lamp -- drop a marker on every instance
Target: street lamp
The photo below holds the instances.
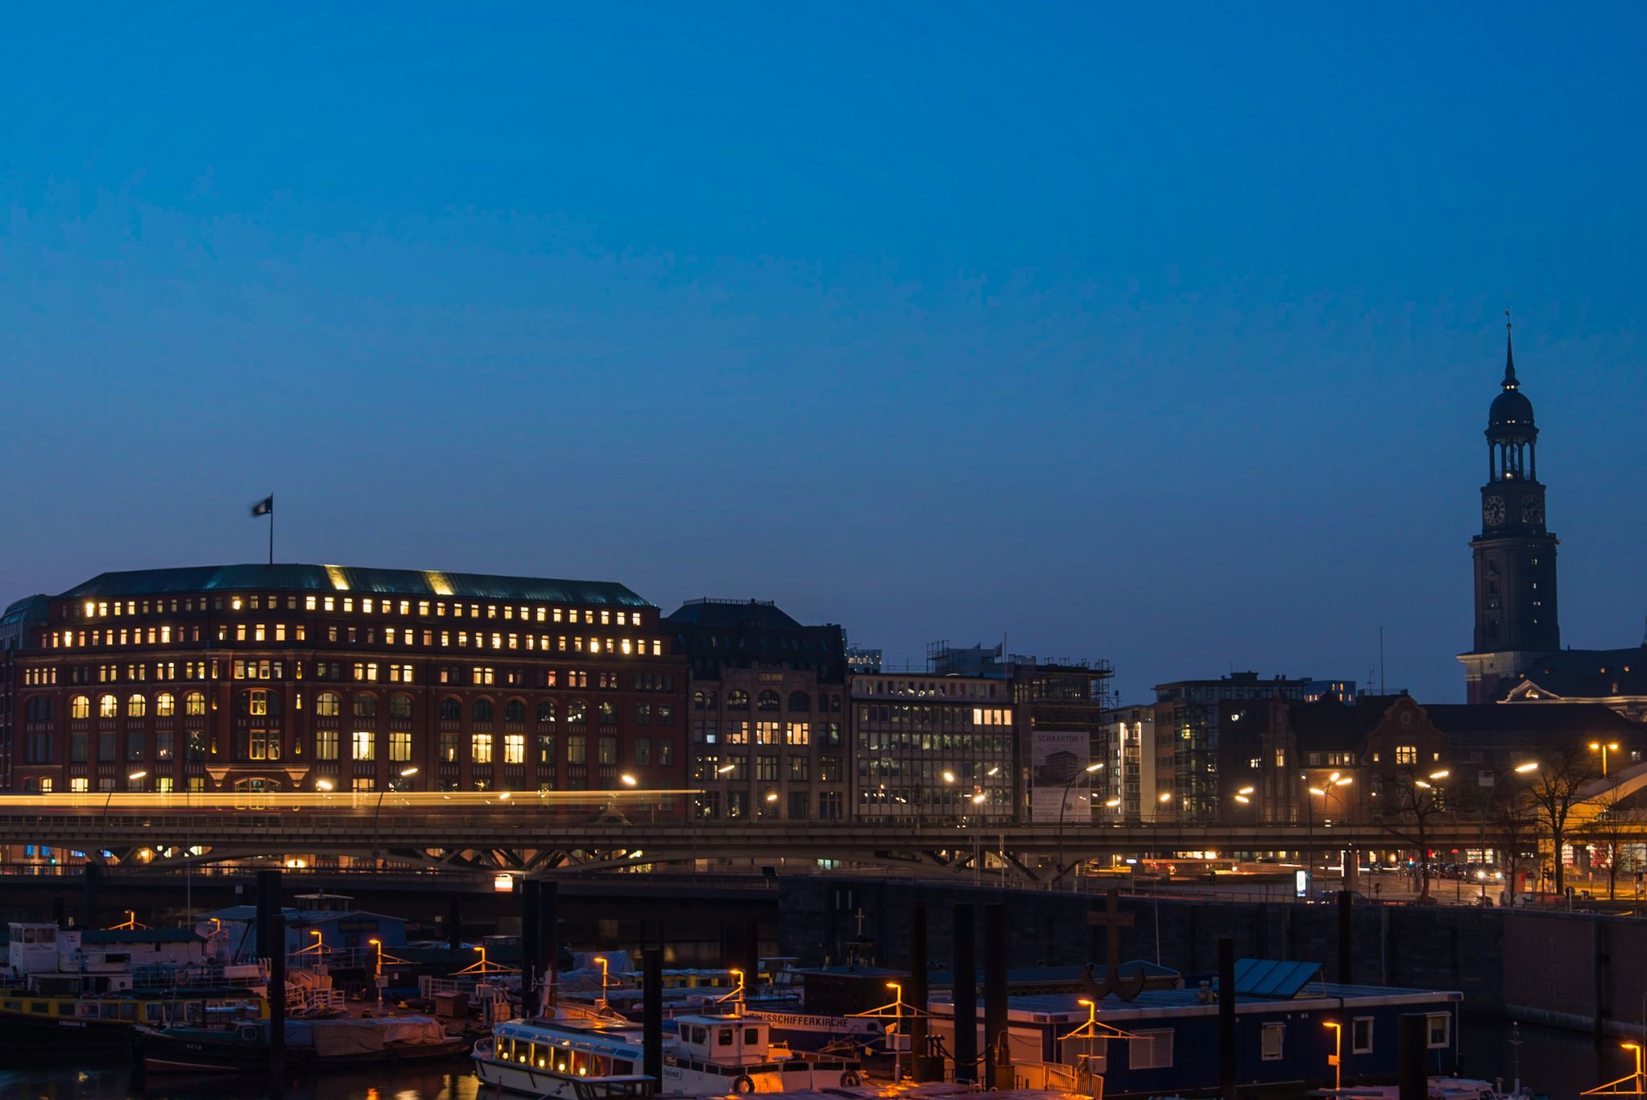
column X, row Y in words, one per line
column 104, row 829
column 1092, row 1032
column 1336, row 1058
column 377, row 813
column 324, row 786
column 895, row 1035
column 377, row 971
column 603, row 972
column 1604, row 747
column 627, row 780
column 1063, row 805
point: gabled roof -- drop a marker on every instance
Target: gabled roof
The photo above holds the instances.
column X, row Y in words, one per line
column 1332, row 726
column 1591, row 673
column 350, row 578
column 733, row 615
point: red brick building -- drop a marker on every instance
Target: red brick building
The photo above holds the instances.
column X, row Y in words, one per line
column 296, row 677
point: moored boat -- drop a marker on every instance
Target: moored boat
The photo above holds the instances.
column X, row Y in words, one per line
column 311, row 1045
column 710, row 1055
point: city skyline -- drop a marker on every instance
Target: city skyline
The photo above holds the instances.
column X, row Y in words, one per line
column 1170, row 345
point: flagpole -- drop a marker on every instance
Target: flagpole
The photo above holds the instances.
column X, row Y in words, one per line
column 271, row 529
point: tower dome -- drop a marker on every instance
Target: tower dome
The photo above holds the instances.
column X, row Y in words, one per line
column 1511, row 413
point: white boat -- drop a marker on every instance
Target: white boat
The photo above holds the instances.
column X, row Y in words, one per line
column 711, row 1055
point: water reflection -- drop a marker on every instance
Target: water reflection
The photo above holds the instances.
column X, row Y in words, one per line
column 49, row 1080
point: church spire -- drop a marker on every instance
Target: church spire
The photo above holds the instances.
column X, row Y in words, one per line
column 1509, row 355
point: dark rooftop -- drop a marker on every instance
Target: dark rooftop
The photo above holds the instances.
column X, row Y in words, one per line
column 1591, row 673
column 733, row 615
column 349, row 578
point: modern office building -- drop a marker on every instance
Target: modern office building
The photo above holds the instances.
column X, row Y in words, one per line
column 1190, row 713
column 260, row 677
column 767, row 711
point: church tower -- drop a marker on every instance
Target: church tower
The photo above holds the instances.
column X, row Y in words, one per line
column 1515, row 556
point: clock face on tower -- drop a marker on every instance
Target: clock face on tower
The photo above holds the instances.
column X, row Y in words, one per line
column 1532, row 511
column 1492, row 510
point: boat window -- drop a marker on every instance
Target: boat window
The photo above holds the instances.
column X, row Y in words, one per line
column 152, row 1011
column 1439, row 1031
column 128, row 1012
column 623, row 1069
column 1271, row 1040
column 1361, row 1035
column 540, row 1056
column 751, row 1036
column 38, row 1007
column 1150, row 1050
column 65, row 1008
column 723, row 1036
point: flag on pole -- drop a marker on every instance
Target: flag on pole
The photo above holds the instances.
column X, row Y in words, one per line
column 264, row 507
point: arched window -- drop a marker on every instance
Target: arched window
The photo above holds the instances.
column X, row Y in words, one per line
column 483, row 710
column 698, row 700
column 546, row 711
column 577, row 712
column 451, row 710
column 30, row 786
column 400, row 706
column 165, row 704
column 737, row 700
column 608, row 714
column 514, row 711
column 108, row 706
column 328, row 704
column 38, row 709
column 768, row 700
column 194, row 704
column 365, row 706
column 254, row 702
column 80, row 707
column 800, row 700
column 136, row 706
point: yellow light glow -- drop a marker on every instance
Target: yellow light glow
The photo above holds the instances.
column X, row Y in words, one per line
column 1246, row 790
column 335, row 574
column 1523, row 769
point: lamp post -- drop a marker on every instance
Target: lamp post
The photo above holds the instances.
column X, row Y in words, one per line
column 1336, row 1058
column 1604, row 747
column 1092, row 1029
column 377, row 813
column 377, row 970
column 896, row 1033
column 603, row 975
column 132, row 777
column 1063, row 805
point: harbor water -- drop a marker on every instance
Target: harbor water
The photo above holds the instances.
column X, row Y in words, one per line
column 1558, row 1064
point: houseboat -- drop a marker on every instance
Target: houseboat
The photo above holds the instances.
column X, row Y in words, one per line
column 709, row 1055
column 311, row 1045
column 1288, row 1024
column 94, row 987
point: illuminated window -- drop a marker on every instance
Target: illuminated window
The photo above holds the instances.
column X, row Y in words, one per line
column 577, row 712
column 514, row 748
column 400, row 746
column 797, row 733
column 256, row 702
column 546, row 712
column 364, row 742
column 80, row 707
column 108, row 707
column 577, row 751
column 328, row 704
column 608, row 713
column 1406, row 754
column 480, row 748
column 194, row 704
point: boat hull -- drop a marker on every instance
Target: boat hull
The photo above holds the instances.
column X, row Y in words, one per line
column 163, row 1052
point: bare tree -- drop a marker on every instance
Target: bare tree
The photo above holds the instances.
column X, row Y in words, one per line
column 1505, row 814
column 1555, row 789
column 1614, row 835
column 1414, row 803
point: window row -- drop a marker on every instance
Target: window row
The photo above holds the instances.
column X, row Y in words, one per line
column 278, row 633
column 369, row 605
column 136, row 705
column 738, row 699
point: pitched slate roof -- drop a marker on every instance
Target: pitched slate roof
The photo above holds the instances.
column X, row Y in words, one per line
column 1591, row 673
column 1529, row 719
column 341, row 578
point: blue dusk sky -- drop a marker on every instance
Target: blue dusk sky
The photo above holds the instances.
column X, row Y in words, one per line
column 1160, row 333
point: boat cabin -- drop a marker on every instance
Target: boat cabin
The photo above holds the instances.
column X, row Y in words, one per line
column 724, row 1040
